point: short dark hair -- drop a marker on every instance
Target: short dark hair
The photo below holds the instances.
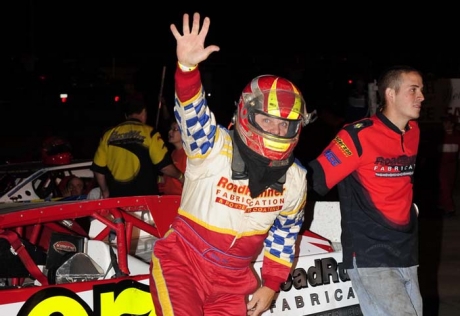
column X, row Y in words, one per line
column 133, row 104
column 391, row 78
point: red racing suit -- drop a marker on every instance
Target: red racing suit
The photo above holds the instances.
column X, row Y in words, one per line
column 373, row 163
column 203, row 264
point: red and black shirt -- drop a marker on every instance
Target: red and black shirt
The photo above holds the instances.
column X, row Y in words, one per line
column 373, row 163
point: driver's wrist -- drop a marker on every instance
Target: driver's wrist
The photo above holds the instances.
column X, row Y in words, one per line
column 186, row 68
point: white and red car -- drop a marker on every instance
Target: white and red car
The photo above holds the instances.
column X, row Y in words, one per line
column 29, row 182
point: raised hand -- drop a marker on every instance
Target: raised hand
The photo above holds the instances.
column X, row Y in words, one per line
column 190, row 48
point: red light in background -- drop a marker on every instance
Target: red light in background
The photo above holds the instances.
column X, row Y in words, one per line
column 350, row 81
column 117, row 98
column 63, row 97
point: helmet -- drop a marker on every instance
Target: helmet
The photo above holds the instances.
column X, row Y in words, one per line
column 56, row 151
column 270, row 114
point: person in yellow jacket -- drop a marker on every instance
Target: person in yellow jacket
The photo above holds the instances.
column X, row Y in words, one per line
column 131, row 155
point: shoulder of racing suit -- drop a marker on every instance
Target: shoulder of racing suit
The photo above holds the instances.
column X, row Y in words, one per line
column 354, row 129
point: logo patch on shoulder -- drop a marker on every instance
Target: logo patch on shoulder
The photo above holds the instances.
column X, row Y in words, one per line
column 332, row 158
column 358, row 125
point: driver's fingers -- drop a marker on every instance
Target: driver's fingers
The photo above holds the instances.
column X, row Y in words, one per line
column 185, row 24
column 204, row 28
column 174, row 31
column 196, row 23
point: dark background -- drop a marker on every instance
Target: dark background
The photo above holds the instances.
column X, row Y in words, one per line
column 93, row 49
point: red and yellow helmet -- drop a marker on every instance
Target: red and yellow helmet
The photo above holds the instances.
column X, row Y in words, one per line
column 270, row 100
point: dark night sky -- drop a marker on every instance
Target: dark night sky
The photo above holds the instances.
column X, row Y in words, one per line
column 326, row 41
column 123, row 28
column 94, row 27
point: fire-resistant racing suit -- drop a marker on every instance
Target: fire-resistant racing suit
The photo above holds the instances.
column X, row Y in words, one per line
column 205, row 258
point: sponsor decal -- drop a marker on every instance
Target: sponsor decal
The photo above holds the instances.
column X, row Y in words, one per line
column 400, row 166
column 316, row 287
column 343, row 147
column 126, row 138
column 323, row 272
column 332, row 158
column 64, row 246
column 238, row 197
column 127, row 297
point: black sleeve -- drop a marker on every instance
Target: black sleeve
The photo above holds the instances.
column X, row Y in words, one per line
column 316, row 179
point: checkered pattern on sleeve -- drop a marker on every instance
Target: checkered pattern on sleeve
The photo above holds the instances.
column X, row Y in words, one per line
column 281, row 238
column 197, row 123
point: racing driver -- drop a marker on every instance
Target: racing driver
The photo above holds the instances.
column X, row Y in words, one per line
column 243, row 191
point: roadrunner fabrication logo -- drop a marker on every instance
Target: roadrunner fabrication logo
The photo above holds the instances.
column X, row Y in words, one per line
column 326, row 285
column 401, row 166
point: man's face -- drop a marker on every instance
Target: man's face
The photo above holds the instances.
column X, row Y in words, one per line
column 76, row 187
column 272, row 125
column 408, row 100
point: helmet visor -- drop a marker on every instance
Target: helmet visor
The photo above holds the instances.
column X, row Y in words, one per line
column 276, row 126
column 276, row 112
